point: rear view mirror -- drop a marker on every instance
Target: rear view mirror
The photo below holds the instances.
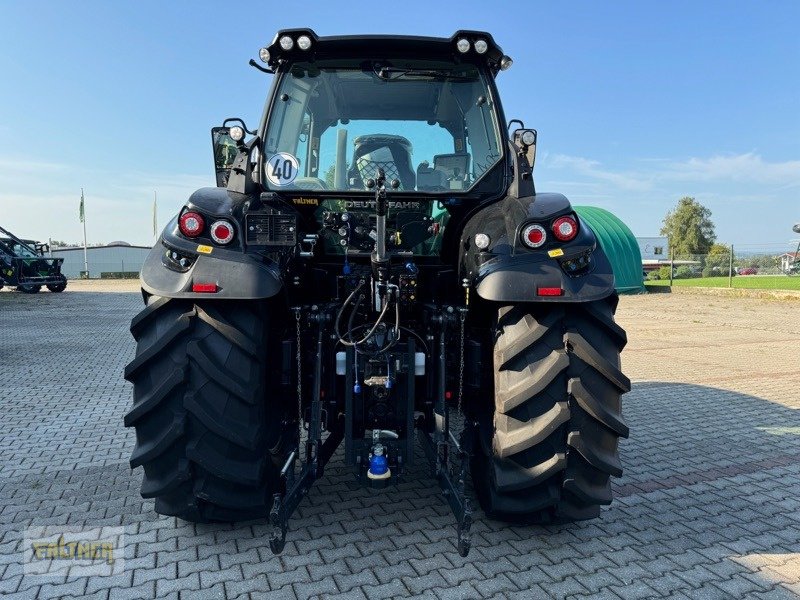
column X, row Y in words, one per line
column 225, row 151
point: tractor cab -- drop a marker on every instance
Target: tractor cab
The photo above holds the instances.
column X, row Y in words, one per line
column 425, row 112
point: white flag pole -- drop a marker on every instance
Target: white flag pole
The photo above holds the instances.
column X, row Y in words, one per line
column 85, row 253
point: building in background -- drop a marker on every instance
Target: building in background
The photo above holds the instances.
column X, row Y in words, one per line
column 114, row 260
column 655, row 252
column 788, row 260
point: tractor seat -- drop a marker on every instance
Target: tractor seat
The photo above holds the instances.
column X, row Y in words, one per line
column 392, row 153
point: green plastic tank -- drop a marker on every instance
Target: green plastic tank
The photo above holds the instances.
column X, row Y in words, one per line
column 619, row 244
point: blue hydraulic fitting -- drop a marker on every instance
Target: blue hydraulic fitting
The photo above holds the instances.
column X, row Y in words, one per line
column 412, row 268
column 378, row 464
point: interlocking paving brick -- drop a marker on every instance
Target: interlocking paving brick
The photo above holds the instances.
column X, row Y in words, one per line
column 633, row 590
column 103, row 595
column 417, row 585
column 178, row 584
column 314, row 588
column 215, row 592
column 462, row 591
column 346, row 582
column 286, row 593
column 356, row 594
column 209, row 578
column 141, row 576
column 493, row 585
column 210, row 563
column 134, row 592
column 401, row 570
column 392, row 589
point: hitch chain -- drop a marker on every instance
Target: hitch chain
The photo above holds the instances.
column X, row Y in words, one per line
column 465, row 522
column 462, row 318
column 299, row 380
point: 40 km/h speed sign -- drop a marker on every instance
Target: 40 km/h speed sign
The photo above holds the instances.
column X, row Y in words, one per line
column 282, row 169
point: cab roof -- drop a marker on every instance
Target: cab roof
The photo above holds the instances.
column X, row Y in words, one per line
column 384, row 47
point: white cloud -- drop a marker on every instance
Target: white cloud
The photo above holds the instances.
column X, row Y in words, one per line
column 749, row 167
column 10, row 166
column 593, row 169
column 641, row 192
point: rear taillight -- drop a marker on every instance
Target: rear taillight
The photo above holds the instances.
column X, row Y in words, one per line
column 534, row 235
column 222, row 232
column 191, row 224
column 565, row 228
column 549, row 291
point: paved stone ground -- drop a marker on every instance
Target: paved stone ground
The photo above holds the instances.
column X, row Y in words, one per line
column 708, row 507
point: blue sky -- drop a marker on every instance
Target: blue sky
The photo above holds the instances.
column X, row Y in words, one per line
column 636, row 103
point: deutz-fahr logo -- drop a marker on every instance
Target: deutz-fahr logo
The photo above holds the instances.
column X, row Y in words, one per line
column 371, row 204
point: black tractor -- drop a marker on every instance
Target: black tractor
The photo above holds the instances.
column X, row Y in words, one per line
column 375, row 265
column 23, row 265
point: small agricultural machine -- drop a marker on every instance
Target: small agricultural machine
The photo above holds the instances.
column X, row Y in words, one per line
column 23, row 265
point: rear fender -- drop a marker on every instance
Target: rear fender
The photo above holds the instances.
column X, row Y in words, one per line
column 509, row 271
column 237, row 275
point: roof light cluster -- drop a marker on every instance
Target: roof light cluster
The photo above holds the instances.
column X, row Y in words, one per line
column 287, row 43
column 481, row 43
column 481, row 47
column 463, row 45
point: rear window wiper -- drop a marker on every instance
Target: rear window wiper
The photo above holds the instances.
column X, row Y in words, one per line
column 392, row 73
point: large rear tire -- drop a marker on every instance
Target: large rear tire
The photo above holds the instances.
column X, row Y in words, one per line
column 548, row 450
column 29, row 288
column 208, row 436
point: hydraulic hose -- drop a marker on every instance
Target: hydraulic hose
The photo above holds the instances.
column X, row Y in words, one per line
column 370, row 332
